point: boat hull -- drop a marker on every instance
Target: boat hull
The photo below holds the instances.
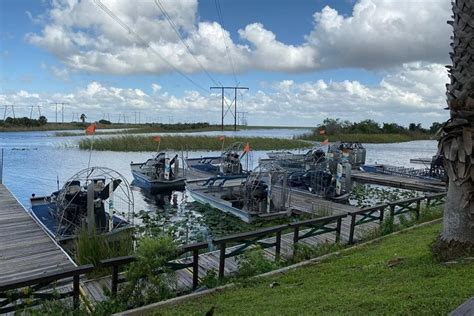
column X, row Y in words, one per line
column 155, row 186
column 41, row 209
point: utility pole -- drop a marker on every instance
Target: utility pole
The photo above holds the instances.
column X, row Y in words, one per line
column 234, row 102
column 6, row 110
column 62, row 110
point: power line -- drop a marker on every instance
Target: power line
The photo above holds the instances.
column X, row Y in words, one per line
column 221, row 21
column 175, row 29
column 234, row 102
column 131, row 31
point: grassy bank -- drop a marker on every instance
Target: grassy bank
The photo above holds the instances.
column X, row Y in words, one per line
column 395, row 276
column 369, row 138
column 66, row 126
column 146, row 143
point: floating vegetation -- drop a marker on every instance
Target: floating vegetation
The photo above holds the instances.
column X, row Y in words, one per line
column 366, row 195
column 179, row 142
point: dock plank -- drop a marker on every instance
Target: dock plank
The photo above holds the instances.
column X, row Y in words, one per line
column 25, row 248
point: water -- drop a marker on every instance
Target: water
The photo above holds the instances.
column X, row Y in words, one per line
column 35, row 161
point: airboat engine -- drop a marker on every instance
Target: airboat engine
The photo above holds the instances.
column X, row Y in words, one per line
column 256, row 193
column 231, row 164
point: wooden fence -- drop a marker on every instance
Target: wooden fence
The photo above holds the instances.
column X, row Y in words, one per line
column 36, row 286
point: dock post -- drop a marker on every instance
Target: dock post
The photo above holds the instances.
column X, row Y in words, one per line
column 296, row 235
column 195, row 268
column 221, row 261
column 75, row 291
column 115, row 272
column 277, row 245
column 351, row 229
column 338, row 229
column 418, row 206
column 382, row 211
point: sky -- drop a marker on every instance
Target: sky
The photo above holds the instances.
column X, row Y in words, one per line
column 302, row 60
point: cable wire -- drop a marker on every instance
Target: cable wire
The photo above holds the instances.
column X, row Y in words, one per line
column 144, row 42
column 175, row 29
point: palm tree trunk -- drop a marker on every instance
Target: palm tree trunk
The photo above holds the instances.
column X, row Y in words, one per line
column 457, row 139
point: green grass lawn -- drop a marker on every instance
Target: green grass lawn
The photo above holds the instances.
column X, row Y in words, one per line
column 357, row 282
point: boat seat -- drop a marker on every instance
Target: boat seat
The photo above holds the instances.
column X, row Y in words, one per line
column 73, row 189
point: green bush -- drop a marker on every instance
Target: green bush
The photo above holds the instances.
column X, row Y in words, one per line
column 149, row 279
column 253, row 262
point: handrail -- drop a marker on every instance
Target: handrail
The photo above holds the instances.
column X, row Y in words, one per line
column 46, row 278
column 255, row 233
column 39, row 282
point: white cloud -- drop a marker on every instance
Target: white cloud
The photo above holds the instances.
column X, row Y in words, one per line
column 377, row 34
column 412, row 93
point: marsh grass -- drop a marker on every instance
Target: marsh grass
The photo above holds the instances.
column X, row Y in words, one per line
column 91, row 248
column 368, row 138
column 146, row 143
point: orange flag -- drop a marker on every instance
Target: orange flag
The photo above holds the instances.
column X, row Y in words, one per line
column 322, row 132
column 247, row 147
column 157, row 139
column 90, row 130
column 325, row 142
column 221, row 138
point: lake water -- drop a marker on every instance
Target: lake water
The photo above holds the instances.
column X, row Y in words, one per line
column 34, row 161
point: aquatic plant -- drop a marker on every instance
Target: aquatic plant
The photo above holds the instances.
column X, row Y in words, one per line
column 180, row 142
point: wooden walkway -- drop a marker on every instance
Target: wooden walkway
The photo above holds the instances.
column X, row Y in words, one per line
column 26, row 250
column 399, row 182
column 94, row 289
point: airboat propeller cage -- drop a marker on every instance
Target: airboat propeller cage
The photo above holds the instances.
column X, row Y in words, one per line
column 98, row 197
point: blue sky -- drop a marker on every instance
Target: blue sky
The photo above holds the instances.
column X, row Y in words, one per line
column 302, row 60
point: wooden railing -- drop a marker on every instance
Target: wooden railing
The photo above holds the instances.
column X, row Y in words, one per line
column 116, row 263
column 376, row 213
column 315, row 227
column 36, row 289
column 11, row 300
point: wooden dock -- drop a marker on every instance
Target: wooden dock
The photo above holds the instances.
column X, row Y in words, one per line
column 26, row 250
column 210, row 261
column 398, row 181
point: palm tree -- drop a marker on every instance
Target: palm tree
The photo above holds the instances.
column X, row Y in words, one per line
column 457, row 138
column 83, row 118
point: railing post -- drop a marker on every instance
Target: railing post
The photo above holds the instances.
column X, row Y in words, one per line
column 296, row 235
column 338, row 229
column 277, row 245
column 352, row 228
column 382, row 211
column 195, row 268
column 115, row 272
column 428, row 201
column 392, row 210
column 221, row 261
column 418, row 204
column 75, row 291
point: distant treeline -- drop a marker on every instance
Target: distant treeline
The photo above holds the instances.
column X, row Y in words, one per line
column 23, row 122
column 337, row 126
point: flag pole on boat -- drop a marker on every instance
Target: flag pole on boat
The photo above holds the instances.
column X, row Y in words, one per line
column 90, row 130
column 158, row 140
column 222, row 139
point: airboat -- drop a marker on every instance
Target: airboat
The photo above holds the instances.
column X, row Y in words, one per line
column 158, row 174
column 258, row 194
column 433, row 170
column 96, row 198
column 326, row 174
column 353, row 151
column 229, row 163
